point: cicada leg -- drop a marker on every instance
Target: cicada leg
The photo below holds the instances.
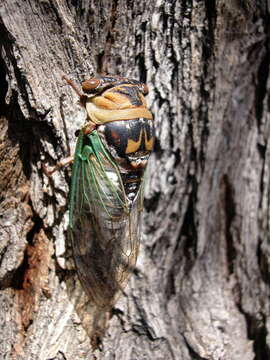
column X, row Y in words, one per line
column 72, row 84
column 65, row 162
column 89, row 128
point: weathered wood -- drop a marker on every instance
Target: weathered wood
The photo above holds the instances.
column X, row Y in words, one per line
column 201, row 286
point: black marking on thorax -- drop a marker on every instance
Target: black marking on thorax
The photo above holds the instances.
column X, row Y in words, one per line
column 131, row 92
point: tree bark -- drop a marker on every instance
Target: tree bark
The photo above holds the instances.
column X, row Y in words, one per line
column 201, row 286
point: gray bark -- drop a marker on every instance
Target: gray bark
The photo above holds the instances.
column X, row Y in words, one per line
column 201, row 286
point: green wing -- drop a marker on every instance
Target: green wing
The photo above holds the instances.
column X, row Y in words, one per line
column 103, row 223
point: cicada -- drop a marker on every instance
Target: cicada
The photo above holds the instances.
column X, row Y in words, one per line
column 106, row 196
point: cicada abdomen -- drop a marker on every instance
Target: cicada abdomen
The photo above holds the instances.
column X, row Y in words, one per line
column 106, row 197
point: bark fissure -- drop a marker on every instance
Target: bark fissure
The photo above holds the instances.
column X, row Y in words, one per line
column 261, row 83
column 207, row 77
column 188, row 231
column 193, row 354
column 257, row 332
column 4, row 86
column 103, row 59
column 18, row 278
column 229, row 217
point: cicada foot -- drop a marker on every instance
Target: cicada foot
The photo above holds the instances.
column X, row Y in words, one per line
column 100, row 326
column 96, row 341
column 65, row 162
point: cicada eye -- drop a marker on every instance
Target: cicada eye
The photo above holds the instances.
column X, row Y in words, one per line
column 90, row 85
column 77, row 133
column 145, row 89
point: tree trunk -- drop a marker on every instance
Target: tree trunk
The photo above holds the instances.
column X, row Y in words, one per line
column 201, row 286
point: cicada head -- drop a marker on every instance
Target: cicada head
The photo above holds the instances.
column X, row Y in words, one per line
column 98, row 84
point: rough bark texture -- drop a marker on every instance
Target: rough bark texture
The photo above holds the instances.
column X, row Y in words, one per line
column 201, row 287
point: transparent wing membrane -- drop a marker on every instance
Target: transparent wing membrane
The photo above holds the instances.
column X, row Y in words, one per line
column 104, row 223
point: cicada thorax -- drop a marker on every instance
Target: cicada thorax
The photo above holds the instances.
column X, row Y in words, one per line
column 126, row 129
column 106, row 193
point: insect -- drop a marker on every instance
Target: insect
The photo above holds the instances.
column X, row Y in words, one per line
column 107, row 185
